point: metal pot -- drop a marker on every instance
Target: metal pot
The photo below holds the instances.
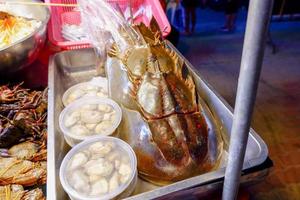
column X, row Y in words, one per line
column 23, row 52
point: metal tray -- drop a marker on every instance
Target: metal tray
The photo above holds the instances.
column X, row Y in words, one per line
column 71, row 67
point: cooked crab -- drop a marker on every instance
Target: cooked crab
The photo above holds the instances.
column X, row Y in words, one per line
column 173, row 141
column 17, row 192
column 22, row 172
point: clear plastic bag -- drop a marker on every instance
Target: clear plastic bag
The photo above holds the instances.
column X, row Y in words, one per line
column 105, row 23
column 177, row 137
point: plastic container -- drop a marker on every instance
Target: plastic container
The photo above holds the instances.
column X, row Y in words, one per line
column 66, row 15
column 84, row 89
column 84, row 119
column 69, row 169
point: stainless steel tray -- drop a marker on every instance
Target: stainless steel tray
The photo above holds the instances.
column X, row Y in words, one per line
column 71, row 67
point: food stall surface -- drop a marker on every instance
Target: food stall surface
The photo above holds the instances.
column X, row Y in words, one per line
column 276, row 117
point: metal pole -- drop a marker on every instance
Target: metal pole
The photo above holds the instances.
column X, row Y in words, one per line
column 252, row 57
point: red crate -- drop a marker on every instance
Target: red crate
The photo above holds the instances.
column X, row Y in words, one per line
column 61, row 15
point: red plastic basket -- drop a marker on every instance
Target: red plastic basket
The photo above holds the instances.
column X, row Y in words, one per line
column 61, row 15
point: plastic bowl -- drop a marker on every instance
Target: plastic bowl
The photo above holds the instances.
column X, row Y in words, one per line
column 89, row 119
column 70, row 170
column 81, row 90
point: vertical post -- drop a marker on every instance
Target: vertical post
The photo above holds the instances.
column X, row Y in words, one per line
column 252, row 57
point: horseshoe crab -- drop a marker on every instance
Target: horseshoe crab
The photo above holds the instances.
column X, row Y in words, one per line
column 165, row 121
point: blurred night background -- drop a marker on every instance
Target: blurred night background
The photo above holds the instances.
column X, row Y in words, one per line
column 216, row 53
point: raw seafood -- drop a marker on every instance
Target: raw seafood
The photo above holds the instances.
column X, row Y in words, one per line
column 84, row 90
column 90, row 119
column 165, row 120
column 92, row 171
column 23, row 115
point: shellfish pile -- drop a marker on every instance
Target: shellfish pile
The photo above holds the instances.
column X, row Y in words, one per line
column 23, row 141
